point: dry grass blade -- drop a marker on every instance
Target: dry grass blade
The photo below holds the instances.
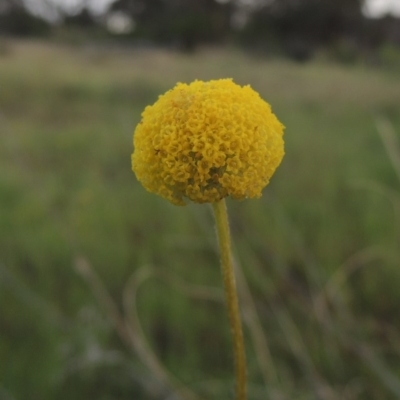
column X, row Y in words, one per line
column 252, row 320
column 390, row 195
column 130, row 330
column 84, row 269
column 141, row 346
column 193, row 291
column 379, row 368
column 390, row 141
column 299, row 349
column 251, row 317
column 31, row 299
column 5, row 395
column 128, row 336
column 351, row 265
column 346, row 333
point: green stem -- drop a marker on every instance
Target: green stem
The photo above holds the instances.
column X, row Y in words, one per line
column 221, row 219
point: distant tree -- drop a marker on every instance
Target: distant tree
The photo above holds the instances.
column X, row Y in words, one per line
column 7, row 5
column 300, row 26
column 392, row 31
column 16, row 20
column 381, row 31
column 148, row 15
column 82, row 19
column 184, row 23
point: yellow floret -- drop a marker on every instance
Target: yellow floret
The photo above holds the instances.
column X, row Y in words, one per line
column 206, row 141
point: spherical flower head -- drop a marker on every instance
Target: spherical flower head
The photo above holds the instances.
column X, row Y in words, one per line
column 206, row 141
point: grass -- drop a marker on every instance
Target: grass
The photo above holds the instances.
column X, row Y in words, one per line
column 320, row 250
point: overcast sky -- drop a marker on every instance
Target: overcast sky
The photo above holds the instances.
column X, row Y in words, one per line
column 373, row 8
column 377, row 8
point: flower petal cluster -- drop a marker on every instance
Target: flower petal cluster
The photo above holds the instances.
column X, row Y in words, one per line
column 206, row 141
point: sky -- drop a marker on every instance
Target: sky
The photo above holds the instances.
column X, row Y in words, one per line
column 43, row 7
column 377, row 8
column 372, row 8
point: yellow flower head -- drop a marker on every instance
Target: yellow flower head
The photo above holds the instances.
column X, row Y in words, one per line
column 205, row 141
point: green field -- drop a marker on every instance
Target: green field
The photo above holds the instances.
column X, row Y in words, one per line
column 320, row 250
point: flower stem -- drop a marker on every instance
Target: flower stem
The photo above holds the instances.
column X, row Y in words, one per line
column 221, row 219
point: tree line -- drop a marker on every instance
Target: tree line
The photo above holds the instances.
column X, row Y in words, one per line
column 296, row 28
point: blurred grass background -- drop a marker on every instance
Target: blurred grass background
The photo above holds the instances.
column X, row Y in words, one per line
column 320, row 249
